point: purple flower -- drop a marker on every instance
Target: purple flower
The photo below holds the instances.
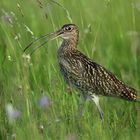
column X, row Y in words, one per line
column 12, row 113
column 44, row 101
column 8, row 18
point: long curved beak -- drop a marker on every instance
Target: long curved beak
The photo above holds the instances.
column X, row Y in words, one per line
column 48, row 37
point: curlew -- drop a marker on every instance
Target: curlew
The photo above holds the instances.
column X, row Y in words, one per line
column 82, row 73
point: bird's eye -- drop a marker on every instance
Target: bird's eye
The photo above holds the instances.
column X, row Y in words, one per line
column 68, row 28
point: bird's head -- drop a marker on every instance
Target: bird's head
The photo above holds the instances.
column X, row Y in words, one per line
column 67, row 32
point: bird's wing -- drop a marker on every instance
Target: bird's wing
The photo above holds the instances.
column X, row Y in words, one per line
column 98, row 79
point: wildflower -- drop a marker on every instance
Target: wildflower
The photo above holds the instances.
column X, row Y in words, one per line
column 44, row 101
column 8, row 17
column 27, row 58
column 12, row 113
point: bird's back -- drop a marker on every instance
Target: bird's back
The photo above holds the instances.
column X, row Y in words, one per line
column 89, row 77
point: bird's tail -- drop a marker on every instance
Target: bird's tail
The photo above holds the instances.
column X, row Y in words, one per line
column 130, row 94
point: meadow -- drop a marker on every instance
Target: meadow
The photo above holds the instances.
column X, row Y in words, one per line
column 35, row 102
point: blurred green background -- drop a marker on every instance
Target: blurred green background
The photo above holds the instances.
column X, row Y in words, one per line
column 109, row 34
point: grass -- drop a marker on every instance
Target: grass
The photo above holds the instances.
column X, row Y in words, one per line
column 109, row 34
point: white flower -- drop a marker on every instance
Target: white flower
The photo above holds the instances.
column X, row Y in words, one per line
column 12, row 113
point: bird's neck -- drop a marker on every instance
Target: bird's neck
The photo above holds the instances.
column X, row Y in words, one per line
column 69, row 45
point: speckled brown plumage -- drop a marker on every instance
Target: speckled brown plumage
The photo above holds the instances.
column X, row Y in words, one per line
column 86, row 75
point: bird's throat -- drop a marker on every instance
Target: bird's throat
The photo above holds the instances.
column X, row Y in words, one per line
column 69, row 44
